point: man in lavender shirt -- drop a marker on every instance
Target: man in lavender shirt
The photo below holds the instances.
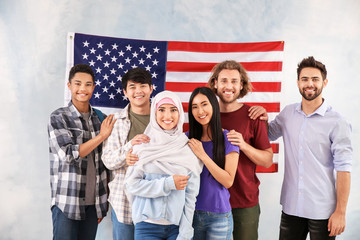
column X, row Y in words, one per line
column 318, row 156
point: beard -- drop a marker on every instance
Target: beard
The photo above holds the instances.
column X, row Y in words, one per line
column 227, row 100
column 310, row 97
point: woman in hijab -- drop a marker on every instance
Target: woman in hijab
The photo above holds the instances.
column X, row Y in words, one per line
column 162, row 186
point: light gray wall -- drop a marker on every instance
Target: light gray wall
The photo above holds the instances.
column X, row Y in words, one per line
column 32, row 71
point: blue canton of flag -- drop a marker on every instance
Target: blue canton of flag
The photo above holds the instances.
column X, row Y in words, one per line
column 111, row 58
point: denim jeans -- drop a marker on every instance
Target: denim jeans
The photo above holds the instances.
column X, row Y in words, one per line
column 121, row 231
column 150, row 231
column 208, row 225
column 65, row 228
column 246, row 223
column 297, row 228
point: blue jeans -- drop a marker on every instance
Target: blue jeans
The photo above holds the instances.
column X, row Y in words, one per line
column 297, row 228
column 121, row 231
column 65, row 228
column 208, row 225
column 150, row 231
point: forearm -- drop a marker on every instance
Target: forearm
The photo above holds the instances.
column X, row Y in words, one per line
column 262, row 158
column 343, row 182
column 87, row 147
column 224, row 176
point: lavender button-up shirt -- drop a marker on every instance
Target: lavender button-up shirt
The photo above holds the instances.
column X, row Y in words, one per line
column 316, row 146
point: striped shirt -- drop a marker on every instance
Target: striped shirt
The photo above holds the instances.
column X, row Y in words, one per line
column 67, row 130
column 114, row 157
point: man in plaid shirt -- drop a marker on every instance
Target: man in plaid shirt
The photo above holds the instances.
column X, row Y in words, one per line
column 130, row 124
column 78, row 177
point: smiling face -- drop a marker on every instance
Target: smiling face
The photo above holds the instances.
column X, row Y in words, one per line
column 311, row 83
column 201, row 109
column 167, row 116
column 138, row 93
column 228, row 85
column 81, row 87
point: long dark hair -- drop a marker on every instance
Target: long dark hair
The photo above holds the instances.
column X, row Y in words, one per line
column 217, row 136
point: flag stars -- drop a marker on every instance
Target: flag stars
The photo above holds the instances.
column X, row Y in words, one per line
column 121, row 53
column 155, row 62
column 114, row 46
column 97, row 95
column 148, row 68
column 92, row 63
column 107, row 52
column 142, row 49
column 127, row 60
column 99, row 57
column 118, row 90
column 120, row 65
column 111, row 96
column 154, row 87
column 85, row 56
column 98, row 70
column 98, row 83
column 112, row 84
column 113, row 59
column 154, row 75
column 100, row 45
column 141, row 61
column 156, row 50
column 92, row 51
column 148, row 55
column 105, row 89
column 125, row 98
column 86, row 43
column 119, row 78
column 106, row 77
column 106, row 64
column 135, row 54
column 112, row 71
column 128, row 47
column 134, row 66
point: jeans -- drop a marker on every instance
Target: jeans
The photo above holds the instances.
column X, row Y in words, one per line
column 246, row 223
column 65, row 228
column 150, row 231
column 208, row 225
column 121, row 231
column 297, row 228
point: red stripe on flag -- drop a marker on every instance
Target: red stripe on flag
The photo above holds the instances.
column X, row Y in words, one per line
column 266, row 86
column 275, row 147
column 269, row 106
column 190, row 86
column 273, row 168
column 225, row 47
column 207, row 67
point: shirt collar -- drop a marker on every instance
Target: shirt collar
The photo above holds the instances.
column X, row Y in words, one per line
column 75, row 112
column 320, row 111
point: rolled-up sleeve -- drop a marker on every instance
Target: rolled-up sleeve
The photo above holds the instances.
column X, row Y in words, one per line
column 341, row 147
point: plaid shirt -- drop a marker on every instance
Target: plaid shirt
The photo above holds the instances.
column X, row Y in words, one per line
column 114, row 154
column 67, row 130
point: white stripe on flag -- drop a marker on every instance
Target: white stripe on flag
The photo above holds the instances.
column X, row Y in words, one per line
column 182, row 56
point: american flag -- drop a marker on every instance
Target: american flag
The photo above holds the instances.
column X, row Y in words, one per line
column 176, row 66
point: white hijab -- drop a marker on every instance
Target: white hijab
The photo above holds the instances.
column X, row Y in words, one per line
column 168, row 151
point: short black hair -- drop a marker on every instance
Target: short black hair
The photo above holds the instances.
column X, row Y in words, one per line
column 138, row 75
column 81, row 68
column 312, row 63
